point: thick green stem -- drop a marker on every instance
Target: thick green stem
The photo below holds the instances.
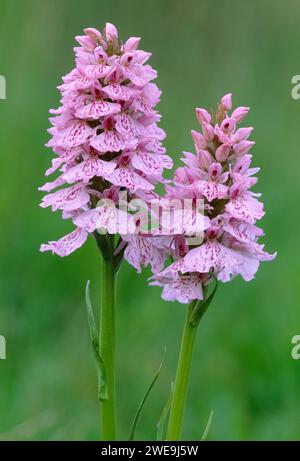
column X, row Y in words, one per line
column 182, row 379
column 107, row 341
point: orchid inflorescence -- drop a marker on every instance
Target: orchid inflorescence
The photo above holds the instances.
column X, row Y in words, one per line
column 105, row 134
column 220, row 173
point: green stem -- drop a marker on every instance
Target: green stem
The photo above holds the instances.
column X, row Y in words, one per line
column 182, row 378
column 107, row 341
column 196, row 310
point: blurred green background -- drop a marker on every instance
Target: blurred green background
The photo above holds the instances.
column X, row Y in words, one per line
column 243, row 369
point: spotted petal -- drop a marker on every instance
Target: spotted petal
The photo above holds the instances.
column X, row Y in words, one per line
column 183, row 289
column 211, row 256
column 108, row 141
column 118, row 92
column 89, row 168
column 74, row 135
column 212, row 190
column 97, row 109
column 246, row 208
column 140, row 252
column 104, row 217
column 68, row 199
column 125, row 177
column 151, row 164
column 67, row 244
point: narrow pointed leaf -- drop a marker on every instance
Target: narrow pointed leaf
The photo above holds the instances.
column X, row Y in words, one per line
column 162, row 421
column 100, row 368
column 142, row 404
column 91, row 319
column 208, row 426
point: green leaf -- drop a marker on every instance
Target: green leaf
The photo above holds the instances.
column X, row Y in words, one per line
column 103, row 243
column 201, row 307
column 142, row 404
column 101, row 372
column 208, row 426
column 164, row 415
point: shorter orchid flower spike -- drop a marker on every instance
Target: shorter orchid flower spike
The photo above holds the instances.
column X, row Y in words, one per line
column 220, row 175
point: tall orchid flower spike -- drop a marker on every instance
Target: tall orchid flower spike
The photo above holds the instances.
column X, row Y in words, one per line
column 220, row 173
column 105, row 132
column 107, row 142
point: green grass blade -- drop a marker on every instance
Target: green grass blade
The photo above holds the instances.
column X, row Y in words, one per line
column 208, row 426
column 142, row 404
column 162, row 421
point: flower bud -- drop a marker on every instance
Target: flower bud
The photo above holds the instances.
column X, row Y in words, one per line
column 204, row 159
column 86, row 42
column 226, row 102
column 240, row 113
column 243, row 147
column 199, row 140
column 203, row 115
column 222, row 153
column 208, row 131
column 132, row 44
column 111, row 32
column 243, row 133
column 94, row 34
